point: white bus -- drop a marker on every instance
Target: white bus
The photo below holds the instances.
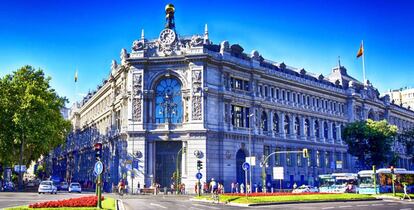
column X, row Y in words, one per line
column 338, row 183
column 384, row 180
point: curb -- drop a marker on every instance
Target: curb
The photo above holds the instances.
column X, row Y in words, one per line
column 283, row 203
column 120, row 205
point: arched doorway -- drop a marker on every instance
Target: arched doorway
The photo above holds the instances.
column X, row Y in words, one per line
column 240, row 159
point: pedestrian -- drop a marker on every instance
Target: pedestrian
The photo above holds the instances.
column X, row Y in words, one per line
column 295, row 185
column 205, row 187
column 139, row 188
column 242, row 187
column 213, row 186
column 237, row 187
column 232, row 187
column 405, row 191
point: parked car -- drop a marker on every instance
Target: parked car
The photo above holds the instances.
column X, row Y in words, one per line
column 305, row 189
column 75, row 187
column 47, row 187
column 64, row 186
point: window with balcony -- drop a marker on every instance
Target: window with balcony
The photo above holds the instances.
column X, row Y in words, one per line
column 264, row 121
column 287, row 125
column 297, row 126
column 325, row 130
column 276, row 123
column 307, row 127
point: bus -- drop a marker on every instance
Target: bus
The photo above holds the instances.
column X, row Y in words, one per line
column 338, row 182
column 384, row 180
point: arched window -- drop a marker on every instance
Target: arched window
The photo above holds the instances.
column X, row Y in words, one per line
column 307, row 127
column 334, row 131
column 264, row 121
column 297, row 126
column 287, row 125
column 168, row 101
column 371, row 115
column 317, row 129
column 276, row 123
column 325, row 130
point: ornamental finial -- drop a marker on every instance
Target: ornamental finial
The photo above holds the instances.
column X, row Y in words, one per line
column 169, row 16
column 205, row 34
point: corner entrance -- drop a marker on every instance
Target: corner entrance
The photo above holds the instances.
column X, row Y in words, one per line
column 240, row 159
column 166, row 160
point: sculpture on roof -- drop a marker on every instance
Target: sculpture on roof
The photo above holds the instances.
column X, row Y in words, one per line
column 169, row 16
column 224, row 47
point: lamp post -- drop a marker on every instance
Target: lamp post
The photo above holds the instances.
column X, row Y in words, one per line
column 250, row 152
column 133, row 156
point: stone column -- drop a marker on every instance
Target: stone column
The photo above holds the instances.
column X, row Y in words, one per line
column 322, row 131
column 270, row 119
column 282, row 125
column 292, row 126
column 312, row 128
column 302, row 128
column 330, row 137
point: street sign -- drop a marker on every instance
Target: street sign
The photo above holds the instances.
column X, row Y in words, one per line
column 199, row 175
column 135, row 164
column 339, row 164
column 19, row 168
column 128, row 167
column 246, row 166
column 278, row 173
column 98, row 167
column 251, row 160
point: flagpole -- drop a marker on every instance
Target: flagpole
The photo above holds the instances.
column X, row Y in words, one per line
column 363, row 62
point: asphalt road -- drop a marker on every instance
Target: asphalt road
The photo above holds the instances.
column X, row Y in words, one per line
column 160, row 202
column 179, row 202
column 10, row 199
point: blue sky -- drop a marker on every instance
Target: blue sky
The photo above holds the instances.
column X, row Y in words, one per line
column 62, row 36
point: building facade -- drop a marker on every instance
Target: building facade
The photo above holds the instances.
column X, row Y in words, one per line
column 174, row 100
column 402, row 97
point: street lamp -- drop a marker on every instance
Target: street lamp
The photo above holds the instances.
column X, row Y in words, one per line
column 250, row 151
column 133, row 156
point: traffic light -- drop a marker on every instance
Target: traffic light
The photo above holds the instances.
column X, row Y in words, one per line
column 98, row 151
column 199, row 164
column 392, row 169
column 305, row 153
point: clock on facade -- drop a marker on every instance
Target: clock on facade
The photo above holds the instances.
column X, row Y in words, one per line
column 167, row 36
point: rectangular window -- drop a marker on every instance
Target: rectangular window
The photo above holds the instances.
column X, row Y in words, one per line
column 299, row 159
column 238, row 84
column 237, row 116
column 288, row 158
column 266, row 152
column 265, row 91
column 278, row 161
column 338, row 157
column 294, row 97
column 318, row 160
column 272, row 91
column 283, row 95
column 277, row 94
column 310, row 161
column 247, row 112
column 246, row 85
column 345, row 161
column 327, row 159
column 288, row 96
column 260, row 90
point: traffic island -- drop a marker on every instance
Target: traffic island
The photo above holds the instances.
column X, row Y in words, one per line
column 80, row 203
column 283, row 198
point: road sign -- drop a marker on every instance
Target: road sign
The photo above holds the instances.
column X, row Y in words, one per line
column 246, row 166
column 199, row 175
column 278, row 173
column 98, row 167
column 251, row 160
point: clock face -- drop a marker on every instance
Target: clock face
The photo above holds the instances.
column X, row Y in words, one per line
column 167, row 36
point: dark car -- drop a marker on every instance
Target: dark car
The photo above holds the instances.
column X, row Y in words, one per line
column 8, row 187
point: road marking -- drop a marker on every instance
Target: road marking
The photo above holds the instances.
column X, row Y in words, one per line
column 210, row 207
column 195, row 208
column 328, row 208
column 377, row 204
column 158, row 205
column 362, row 205
column 406, row 209
column 345, row 206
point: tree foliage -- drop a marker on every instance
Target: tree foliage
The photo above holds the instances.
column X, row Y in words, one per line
column 406, row 138
column 29, row 113
column 370, row 141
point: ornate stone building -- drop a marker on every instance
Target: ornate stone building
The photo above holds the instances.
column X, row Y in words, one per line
column 177, row 92
column 403, row 97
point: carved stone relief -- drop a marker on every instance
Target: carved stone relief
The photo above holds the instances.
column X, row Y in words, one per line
column 137, row 96
column 196, row 96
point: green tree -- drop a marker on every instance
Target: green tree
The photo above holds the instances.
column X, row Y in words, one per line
column 406, row 138
column 30, row 120
column 370, row 141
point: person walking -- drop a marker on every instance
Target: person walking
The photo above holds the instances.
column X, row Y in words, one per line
column 213, row 186
column 242, row 187
column 232, row 187
column 405, row 191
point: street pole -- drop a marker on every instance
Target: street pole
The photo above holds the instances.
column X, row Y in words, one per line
column 98, row 189
column 250, row 153
column 375, row 178
column 177, row 173
column 245, row 176
column 20, row 165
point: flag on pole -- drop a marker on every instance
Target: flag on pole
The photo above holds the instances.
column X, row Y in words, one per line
column 361, row 50
column 76, row 75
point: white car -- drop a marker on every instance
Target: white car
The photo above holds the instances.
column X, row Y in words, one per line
column 47, row 187
column 64, row 186
column 305, row 189
column 75, row 187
